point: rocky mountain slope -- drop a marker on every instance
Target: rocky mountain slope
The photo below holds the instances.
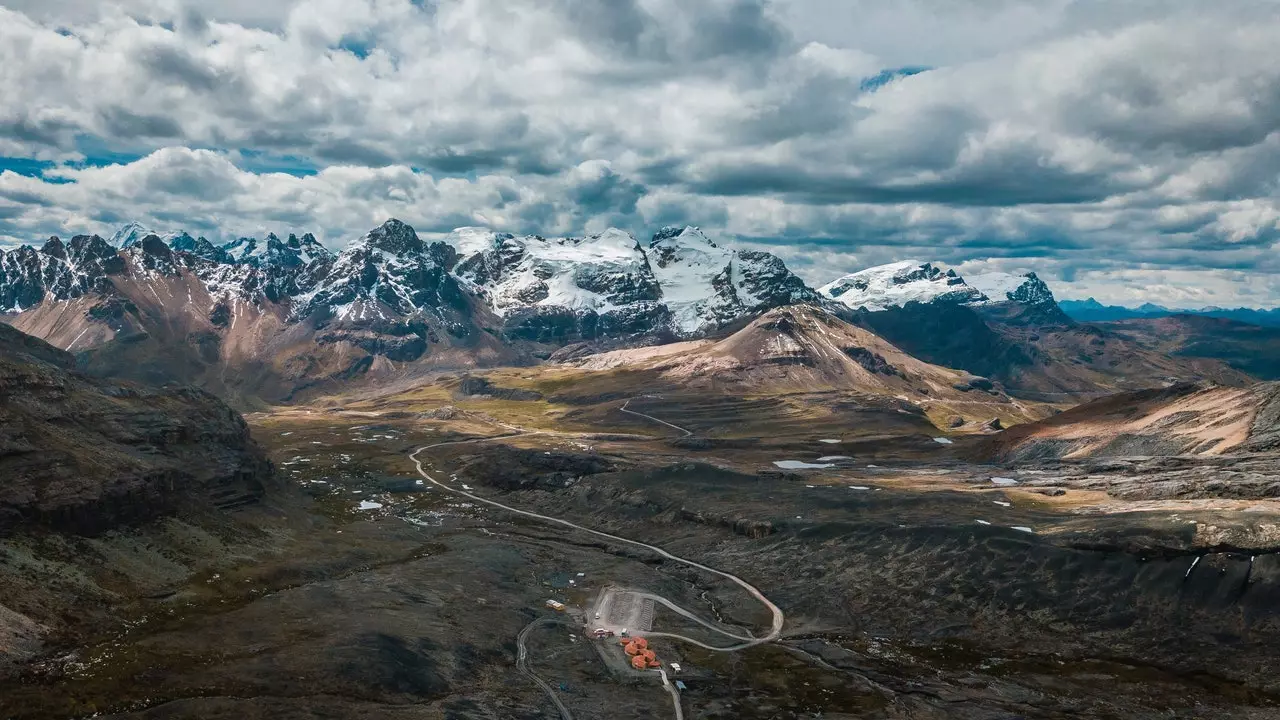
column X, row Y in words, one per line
column 806, row 349
column 82, row 455
column 251, row 320
column 678, row 285
column 1010, row 329
column 1249, row 348
column 1181, row 420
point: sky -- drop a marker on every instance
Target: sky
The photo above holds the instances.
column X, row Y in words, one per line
column 1127, row 150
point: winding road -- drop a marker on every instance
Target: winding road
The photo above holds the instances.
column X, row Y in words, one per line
column 624, row 409
column 522, row 664
column 775, row 629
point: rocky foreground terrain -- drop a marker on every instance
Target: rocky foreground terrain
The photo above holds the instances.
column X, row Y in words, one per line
column 80, row 457
column 919, row 578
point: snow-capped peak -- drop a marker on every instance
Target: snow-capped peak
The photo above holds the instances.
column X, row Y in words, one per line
column 899, row 283
column 133, row 233
column 471, row 240
column 1007, row 287
column 393, row 236
column 680, row 282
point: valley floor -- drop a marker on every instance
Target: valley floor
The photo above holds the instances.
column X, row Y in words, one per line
column 913, row 583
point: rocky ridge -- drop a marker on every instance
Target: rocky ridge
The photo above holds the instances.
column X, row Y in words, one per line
column 896, row 284
column 680, row 285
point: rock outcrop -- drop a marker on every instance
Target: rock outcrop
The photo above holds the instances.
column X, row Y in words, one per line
column 81, row 455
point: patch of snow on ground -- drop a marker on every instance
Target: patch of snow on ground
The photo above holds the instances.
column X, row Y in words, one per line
column 830, row 441
column 1003, row 481
column 1001, row 503
column 859, row 487
column 983, row 522
column 943, row 441
column 801, row 465
column 828, row 458
column 369, row 505
column 1021, row 528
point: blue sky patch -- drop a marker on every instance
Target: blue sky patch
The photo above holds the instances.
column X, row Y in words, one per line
column 888, row 75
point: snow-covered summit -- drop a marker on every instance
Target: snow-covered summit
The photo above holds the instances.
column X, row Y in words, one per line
column 597, row 273
column 388, row 271
column 682, row 283
column 896, row 284
column 133, row 233
column 1007, row 287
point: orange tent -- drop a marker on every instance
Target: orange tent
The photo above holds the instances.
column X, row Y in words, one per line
column 638, row 662
column 632, row 649
column 642, row 643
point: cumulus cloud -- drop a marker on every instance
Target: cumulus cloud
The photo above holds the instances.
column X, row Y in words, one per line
column 1078, row 138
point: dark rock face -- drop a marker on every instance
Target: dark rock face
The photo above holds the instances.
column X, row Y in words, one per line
column 63, row 271
column 82, row 456
column 519, row 469
column 390, row 265
column 475, row 386
column 871, row 361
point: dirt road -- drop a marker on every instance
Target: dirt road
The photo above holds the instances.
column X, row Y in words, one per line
column 775, row 629
column 522, row 664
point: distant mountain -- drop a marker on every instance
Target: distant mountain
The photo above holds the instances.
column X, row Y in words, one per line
column 678, row 285
column 896, row 284
column 248, row 319
column 1009, row 299
column 1010, row 329
column 807, row 349
column 1249, row 348
column 270, row 318
column 265, row 320
column 1093, row 311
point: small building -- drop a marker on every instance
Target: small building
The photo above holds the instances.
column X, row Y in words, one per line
column 675, row 667
column 555, row 605
column 680, row 685
column 601, row 633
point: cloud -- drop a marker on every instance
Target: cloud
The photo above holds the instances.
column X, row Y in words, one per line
column 1075, row 137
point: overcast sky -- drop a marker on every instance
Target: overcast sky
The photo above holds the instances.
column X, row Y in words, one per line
column 1124, row 150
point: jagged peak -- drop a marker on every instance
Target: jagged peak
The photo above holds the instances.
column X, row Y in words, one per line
column 898, row 283
column 393, row 236
column 674, row 235
column 54, row 247
column 129, row 234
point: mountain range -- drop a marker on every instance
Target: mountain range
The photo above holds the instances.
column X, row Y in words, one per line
column 1093, row 311
column 266, row 320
